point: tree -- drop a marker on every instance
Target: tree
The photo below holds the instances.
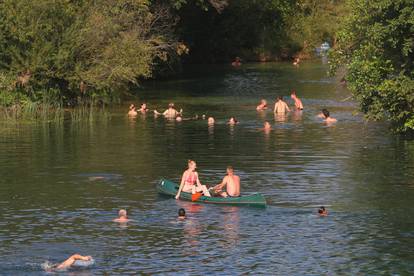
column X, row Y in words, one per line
column 375, row 45
column 81, row 46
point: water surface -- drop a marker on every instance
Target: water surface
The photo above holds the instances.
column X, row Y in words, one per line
column 62, row 184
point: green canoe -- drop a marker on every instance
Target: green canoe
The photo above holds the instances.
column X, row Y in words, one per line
column 169, row 188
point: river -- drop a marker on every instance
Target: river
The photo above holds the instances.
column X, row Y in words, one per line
column 62, row 184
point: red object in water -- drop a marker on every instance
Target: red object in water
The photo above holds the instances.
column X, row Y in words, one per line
column 196, row 196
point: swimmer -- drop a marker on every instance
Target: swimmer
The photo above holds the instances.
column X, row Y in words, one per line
column 267, row 126
column 298, row 102
column 326, row 116
column 236, row 62
column 181, row 213
column 132, row 111
column 262, row 105
column 210, row 121
column 232, row 121
column 296, row 61
column 322, row 212
column 280, row 106
column 203, row 116
column 70, row 262
column 122, row 216
column 143, row 108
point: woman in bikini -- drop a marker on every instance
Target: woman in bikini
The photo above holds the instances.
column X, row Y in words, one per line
column 190, row 182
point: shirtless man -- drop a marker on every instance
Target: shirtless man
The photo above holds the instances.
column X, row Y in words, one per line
column 326, row 116
column 69, row 262
column 122, row 216
column 262, row 105
column 280, row 106
column 132, row 111
column 143, row 108
column 232, row 184
column 298, row 102
column 170, row 113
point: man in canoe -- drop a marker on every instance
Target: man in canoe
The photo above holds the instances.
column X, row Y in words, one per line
column 232, row 184
column 190, row 182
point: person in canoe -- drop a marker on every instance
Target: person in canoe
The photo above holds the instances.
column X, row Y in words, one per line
column 280, row 106
column 170, row 113
column 122, row 216
column 132, row 111
column 230, row 182
column 68, row 263
column 298, row 102
column 262, row 105
column 190, row 182
column 326, row 116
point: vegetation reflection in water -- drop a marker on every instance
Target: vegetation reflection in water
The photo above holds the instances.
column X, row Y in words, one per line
column 62, row 184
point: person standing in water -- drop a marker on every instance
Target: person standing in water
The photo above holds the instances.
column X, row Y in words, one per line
column 143, row 108
column 132, row 111
column 231, row 182
column 122, row 216
column 322, row 212
column 280, row 106
column 210, row 121
column 170, row 113
column 262, row 105
column 232, row 121
column 298, row 102
column 190, row 182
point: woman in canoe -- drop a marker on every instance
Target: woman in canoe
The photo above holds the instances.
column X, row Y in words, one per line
column 190, row 182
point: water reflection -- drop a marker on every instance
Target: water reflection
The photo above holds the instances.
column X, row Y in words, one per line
column 280, row 118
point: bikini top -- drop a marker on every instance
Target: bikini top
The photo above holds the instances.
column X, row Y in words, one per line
column 191, row 179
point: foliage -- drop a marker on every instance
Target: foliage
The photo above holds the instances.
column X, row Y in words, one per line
column 80, row 46
column 376, row 46
column 315, row 21
column 244, row 26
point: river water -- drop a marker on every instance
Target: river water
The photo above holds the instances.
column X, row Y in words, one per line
column 62, row 184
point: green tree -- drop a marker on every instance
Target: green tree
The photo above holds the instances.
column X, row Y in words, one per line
column 81, row 46
column 375, row 45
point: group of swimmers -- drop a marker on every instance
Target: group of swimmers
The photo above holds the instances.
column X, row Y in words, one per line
column 280, row 108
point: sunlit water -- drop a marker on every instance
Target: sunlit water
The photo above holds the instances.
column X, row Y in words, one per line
column 61, row 185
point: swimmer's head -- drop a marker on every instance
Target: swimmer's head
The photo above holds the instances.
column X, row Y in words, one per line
column 279, row 98
column 322, row 210
column 143, row 105
column 210, row 121
column 171, row 105
column 232, row 121
column 267, row 125
column 181, row 213
column 263, row 101
column 122, row 213
column 325, row 113
column 131, row 107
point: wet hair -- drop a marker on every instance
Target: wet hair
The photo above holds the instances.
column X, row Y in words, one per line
column 181, row 212
column 234, row 118
column 279, row 98
column 230, row 168
column 325, row 112
column 122, row 213
column 293, row 92
column 321, row 210
column 190, row 161
column 131, row 106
